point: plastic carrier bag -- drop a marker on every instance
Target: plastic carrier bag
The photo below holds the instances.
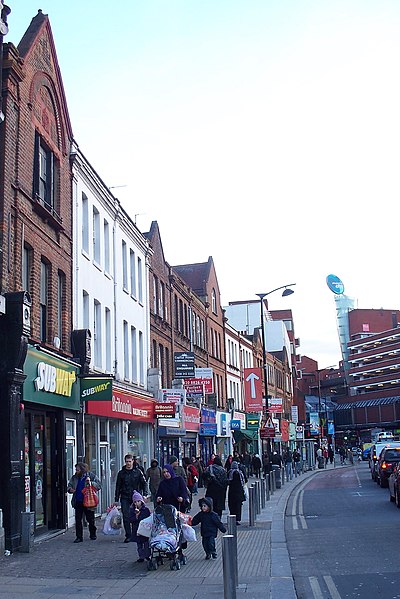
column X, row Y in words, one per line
column 189, row 533
column 113, row 522
column 145, row 525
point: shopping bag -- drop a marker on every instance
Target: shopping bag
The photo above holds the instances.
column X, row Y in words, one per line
column 145, row 525
column 189, row 533
column 90, row 497
column 113, row 522
column 245, row 492
column 185, row 518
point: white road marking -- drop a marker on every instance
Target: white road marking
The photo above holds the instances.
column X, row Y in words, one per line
column 316, row 589
column 334, row 593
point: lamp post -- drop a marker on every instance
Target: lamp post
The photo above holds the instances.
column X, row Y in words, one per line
column 286, row 291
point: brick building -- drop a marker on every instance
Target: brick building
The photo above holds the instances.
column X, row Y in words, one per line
column 39, row 387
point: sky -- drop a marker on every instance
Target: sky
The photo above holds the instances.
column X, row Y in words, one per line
column 263, row 133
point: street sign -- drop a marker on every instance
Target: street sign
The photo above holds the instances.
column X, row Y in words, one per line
column 253, row 389
column 267, row 431
column 275, row 405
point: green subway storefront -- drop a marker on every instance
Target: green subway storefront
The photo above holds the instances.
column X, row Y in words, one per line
column 50, row 404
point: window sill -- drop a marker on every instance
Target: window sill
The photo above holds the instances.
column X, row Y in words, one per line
column 49, row 215
column 97, row 265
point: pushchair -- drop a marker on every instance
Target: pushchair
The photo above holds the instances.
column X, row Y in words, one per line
column 166, row 538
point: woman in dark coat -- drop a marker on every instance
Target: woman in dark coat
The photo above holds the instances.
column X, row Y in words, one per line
column 172, row 489
column 216, row 482
column 236, row 494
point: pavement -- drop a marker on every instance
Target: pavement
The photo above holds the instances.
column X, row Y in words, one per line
column 106, row 568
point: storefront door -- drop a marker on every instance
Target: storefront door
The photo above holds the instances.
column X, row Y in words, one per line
column 105, row 476
column 70, row 458
column 41, row 467
column 168, row 447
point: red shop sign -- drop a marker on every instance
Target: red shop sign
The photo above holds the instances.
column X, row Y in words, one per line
column 190, row 418
column 124, row 406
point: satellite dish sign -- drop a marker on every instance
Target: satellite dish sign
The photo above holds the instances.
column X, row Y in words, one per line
column 335, row 284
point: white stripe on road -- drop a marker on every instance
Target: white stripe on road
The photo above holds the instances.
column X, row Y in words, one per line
column 301, row 511
column 334, row 593
column 316, row 589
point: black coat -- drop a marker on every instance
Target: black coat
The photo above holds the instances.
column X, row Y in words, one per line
column 209, row 522
column 235, row 489
column 170, row 489
column 129, row 481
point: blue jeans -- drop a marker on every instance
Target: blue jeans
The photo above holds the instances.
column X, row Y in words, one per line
column 209, row 545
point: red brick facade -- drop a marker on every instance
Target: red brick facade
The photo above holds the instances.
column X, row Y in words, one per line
column 36, row 125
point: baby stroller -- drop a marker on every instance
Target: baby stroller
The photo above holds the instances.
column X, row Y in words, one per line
column 166, row 538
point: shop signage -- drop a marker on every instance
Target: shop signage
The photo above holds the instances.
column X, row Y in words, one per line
column 275, row 405
column 50, row 380
column 165, row 409
column 252, row 422
column 235, row 425
column 285, row 430
column 184, row 365
column 314, row 423
column 190, row 418
column 123, row 405
column 253, row 389
column 295, row 414
column 97, row 388
column 208, row 424
column 300, row 433
column 242, row 419
column 198, row 385
column 178, row 395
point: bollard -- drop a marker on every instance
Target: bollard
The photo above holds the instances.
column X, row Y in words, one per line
column 258, row 497
column 273, row 485
column 262, row 485
column 283, row 471
column 228, row 567
column 252, row 515
column 232, row 530
column 267, row 488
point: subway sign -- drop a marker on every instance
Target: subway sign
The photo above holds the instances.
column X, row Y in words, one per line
column 96, row 388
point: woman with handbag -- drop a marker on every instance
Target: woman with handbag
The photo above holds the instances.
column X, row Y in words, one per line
column 84, row 486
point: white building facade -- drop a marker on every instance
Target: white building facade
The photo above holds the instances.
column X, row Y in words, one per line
column 111, row 300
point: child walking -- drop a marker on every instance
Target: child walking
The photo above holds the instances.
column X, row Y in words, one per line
column 210, row 524
column 138, row 511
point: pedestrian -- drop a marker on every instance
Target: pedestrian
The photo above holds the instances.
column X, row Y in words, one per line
column 256, row 465
column 325, row 455
column 192, row 475
column 211, row 460
column 216, row 482
column 246, row 461
column 342, row 454
column 210, row 523
column 201, row 470
column 296, row 460
column 228, row 463
column 197, row 464
column 129, row 479
column 172, row 489
column 138, row 511
column 287, row 461
column 266, row 462
column 236, row 492
column 179, row 470
column 153, row 477
column 75, row 486
column 276, row 459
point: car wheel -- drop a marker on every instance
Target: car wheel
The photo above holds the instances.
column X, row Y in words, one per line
column 382, row 482
column 397, row 498
column 391, row 497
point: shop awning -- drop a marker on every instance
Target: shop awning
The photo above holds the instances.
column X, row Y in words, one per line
column 245, row 434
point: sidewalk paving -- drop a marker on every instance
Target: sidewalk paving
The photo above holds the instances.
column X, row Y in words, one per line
column 107, row 568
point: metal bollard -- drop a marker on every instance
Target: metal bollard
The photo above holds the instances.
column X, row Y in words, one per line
column 283, row 471
column 252, row 515
column 228, row 567
column 258, row 496
column 267, row 488
column 232, row 530
column 272, row 477
column 262, row 486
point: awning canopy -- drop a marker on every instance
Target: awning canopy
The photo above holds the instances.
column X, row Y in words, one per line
column 367, row 403
column 246, row 435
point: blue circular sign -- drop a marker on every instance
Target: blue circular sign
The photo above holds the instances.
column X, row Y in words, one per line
column 335, row 284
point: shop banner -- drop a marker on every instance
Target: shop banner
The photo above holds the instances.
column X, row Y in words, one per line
column 190, row 418
column 125, row 406
column 252, row 421
column 275, row 405
column 314, row 423
column 165, row 409
column 96, row 388
column 285, row 430
column 208, row 424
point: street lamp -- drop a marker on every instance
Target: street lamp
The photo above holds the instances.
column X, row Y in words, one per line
column 286, row 291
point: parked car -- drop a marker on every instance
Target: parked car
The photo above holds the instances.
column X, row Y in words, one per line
column 388, row 458
column 374, row 455
column 365, row 454
column 394, row 485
